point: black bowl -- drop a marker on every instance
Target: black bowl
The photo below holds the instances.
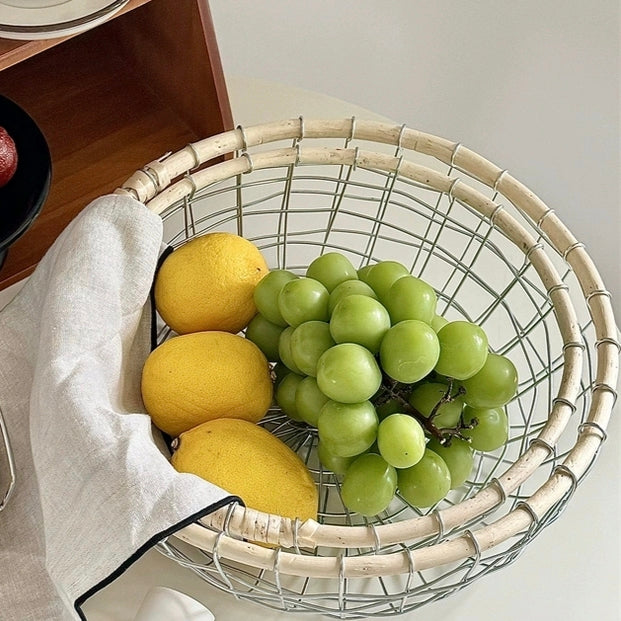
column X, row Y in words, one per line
column 22, row 198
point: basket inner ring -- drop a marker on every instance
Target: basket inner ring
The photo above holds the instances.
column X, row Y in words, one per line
column 534, row 271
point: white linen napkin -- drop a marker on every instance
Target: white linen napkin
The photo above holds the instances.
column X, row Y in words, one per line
column 94, row 490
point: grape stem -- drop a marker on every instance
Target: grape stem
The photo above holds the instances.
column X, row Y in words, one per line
column 392, row 389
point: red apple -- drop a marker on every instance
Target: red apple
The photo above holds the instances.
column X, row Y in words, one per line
column 8, row 157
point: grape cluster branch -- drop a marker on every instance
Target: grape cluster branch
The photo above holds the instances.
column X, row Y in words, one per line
column 391, row 389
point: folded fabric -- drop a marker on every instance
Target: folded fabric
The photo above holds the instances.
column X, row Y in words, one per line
column 94, row 488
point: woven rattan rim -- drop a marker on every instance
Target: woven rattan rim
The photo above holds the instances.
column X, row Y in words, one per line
column 179, row 175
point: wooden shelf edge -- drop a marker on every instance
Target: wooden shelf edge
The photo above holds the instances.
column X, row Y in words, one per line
column 17, row 277
column 213, row 51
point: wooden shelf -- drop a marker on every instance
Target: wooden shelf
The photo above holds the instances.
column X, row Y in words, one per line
column 109, row 101
column 14, row 51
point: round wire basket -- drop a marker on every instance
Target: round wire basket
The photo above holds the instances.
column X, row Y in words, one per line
column 496, row 255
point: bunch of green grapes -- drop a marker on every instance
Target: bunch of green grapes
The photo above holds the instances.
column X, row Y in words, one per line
column 401, row 398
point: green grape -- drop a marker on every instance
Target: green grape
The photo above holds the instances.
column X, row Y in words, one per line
column 411, row 298
column 349, row 287
column 359, row 319
column 331, row 269
column 348, row 373
column 265, row 335
column 392, row 406
column 334, row 463
column 382, row 275
column 425, row 397
column 463, row 349
column 438, row 322
column 347, row 429
column 303, row 299
column 284, row 350
column 266, row 294
column 369, row 485
column 364, row 271
column 494, row 385
column 401, row 440
column 308, row 341
column 309, row 400
column 490, row 432
column 409, row 351
column 285, row 395
column 426, row 482
column 458, row 456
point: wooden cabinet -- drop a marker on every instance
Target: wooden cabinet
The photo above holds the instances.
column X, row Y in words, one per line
column 110, row 100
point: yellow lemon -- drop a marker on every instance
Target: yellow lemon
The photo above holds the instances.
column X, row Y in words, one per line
column 248, row 461
column 193, row 378
column 208, row 284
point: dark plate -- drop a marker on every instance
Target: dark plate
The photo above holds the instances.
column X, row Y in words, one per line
column 22, row 198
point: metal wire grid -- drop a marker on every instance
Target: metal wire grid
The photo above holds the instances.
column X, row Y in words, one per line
column 297, row 212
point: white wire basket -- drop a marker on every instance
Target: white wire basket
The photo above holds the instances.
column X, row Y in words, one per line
column 496, row 255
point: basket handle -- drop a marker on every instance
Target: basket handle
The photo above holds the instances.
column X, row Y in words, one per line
column 154, row 177
column 262, row 527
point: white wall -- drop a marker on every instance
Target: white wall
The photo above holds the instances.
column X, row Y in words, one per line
column 533, row 85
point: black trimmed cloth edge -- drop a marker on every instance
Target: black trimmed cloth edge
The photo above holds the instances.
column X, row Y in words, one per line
column 167, row 251
column 145, row 547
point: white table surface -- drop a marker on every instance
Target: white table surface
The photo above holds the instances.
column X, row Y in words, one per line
column 570, row 572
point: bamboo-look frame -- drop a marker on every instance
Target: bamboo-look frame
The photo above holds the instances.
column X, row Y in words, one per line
column 179, row 175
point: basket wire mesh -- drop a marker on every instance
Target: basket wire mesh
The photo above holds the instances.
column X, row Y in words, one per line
column 496, row 255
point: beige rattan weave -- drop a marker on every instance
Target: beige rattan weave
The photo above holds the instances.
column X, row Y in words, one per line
column 496, row 254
